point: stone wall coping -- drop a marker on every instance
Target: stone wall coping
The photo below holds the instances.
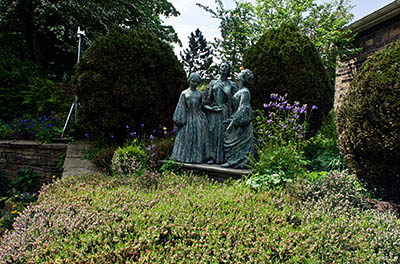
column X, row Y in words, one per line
column 382, row 14
column 31, row 143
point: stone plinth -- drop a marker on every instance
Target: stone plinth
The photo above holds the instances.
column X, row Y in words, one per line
column 214, row 171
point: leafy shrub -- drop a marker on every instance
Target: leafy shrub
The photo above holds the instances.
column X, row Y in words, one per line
column 127, row 160
column 127, row 78
column 162, row 148
column 285, row 62
column 102, row 156
column 26, row 181
column 369, row 123
column 23, row 88
column 335, row 189
column 186, row 219
column 5, row 130
column 322, row 149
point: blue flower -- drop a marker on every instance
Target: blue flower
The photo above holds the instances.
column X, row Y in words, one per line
column 283, row 125
column 151, row 137
column 314, row 107
column 142, row 125
column 127, row 127
column 269, row 121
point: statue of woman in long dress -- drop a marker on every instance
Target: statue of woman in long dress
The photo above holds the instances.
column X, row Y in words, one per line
column 239, row 140
column 191, row 142
column 218, row 104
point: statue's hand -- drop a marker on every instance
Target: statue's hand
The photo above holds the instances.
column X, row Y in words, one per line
column 216, row 109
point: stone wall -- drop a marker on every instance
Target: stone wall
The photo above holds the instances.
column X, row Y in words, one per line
column 370, row 40
column 41, row 158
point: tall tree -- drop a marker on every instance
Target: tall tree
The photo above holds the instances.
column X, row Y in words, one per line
column 237, row 31
column 198, row 56
column 48, row 28
column 243, row 25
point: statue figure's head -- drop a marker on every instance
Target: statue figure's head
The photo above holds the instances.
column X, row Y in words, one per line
column 246, row 76
column 194, row 79
column 225, row 68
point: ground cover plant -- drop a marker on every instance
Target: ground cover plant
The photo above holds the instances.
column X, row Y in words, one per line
column 187, row 219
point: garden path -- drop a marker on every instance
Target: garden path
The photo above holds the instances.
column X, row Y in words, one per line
column 76, row 162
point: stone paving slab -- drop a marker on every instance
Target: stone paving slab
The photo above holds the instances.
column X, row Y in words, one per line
column 76, row 162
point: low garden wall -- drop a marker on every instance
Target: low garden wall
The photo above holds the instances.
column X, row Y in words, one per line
column 44, row 159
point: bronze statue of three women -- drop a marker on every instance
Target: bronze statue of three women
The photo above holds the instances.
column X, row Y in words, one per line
column 215, row 126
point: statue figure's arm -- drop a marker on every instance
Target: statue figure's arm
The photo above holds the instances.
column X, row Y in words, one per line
column 244, row 114
column 208, row 99
column 180, row 111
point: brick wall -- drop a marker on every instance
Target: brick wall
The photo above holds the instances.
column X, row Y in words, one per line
column 370, row 40
column 42, row 158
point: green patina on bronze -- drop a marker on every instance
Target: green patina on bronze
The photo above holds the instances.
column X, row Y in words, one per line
column 239, row 139
column 218, row 103
column 191, row 142
column 223, row 134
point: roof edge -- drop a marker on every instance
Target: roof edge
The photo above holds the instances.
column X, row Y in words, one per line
column 382, row 14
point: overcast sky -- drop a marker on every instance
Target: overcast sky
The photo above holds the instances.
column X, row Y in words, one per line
column 193, row 17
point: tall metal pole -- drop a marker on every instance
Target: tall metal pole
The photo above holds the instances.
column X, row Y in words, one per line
column 79, row 34
column 74, row 105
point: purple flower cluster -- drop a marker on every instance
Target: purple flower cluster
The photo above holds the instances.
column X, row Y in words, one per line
column 37, row 128
column 282, row 120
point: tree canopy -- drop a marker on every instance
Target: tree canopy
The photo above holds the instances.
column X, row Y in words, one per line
column 243, row 25
column 48, row 28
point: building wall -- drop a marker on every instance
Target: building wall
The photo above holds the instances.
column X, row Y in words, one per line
column 370, row 40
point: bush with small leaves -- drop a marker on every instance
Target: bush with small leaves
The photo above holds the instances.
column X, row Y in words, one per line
column 286, row 62
column 369, row 123
column 127, row 77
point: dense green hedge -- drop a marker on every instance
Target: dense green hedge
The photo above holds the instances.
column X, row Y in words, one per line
column 99, row 219
column 369, row 123
column 286, row 62
column 127, row 78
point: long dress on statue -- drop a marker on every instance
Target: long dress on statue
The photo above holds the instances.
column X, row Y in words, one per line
column 239, row 140
column 219, row 94
column 191, row 142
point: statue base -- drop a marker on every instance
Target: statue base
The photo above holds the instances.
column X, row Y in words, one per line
column 214, row 171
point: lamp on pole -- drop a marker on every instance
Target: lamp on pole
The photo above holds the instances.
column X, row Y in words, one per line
column 74, row 105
